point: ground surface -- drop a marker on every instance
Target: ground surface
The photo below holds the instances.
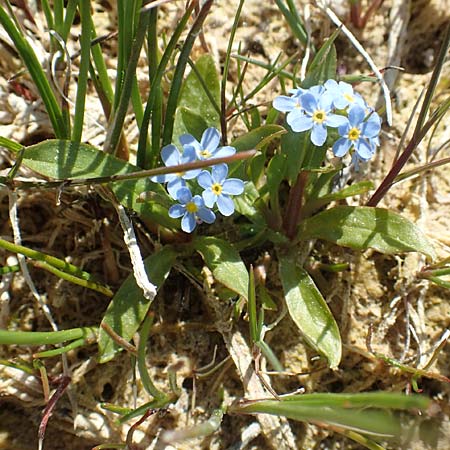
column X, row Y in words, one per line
column 379, row 290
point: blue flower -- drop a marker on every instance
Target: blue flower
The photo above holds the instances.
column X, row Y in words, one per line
column 218, row 188
column 315, row 115
column 358, row 134
column 191, row 209
column 172, row 157
column 208, row 147
column 343, row 95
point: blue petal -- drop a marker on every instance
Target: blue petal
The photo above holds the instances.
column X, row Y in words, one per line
column 176, row 211
column 344, row 129
column 318, row 135
column 209, row 197
column 364, row 149
column 341, row 147
column 187, row 140
column 188, row 223
column 233, row 186
column 163, row 178
column 210, row 139
column 198, row 201
column 189, row 155
column 225, row 205
column 325, row 102
column 222, row 152
column 309, row 102
column 190, row 174
column 184, row 195
column 356, row 115
column 372, row 127
column 299, row 121
column 170, row 155
column 206, row 215
column 284, row 103
column 174, row 186
column 205, row 180
column 335, row 120
column 219, row 173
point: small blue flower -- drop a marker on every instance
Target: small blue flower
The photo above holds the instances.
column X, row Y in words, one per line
column 172, row 157
column 358, row 134
column 343, row 95
column 208, row 147
column 218, row 188
column 315, row 115
column 191, row 209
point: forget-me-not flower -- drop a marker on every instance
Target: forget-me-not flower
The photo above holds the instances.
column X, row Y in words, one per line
column 315, row 115
column 191, row 209
column 208, row 147
column 343, row 94
column 218, row 188
column 360, row 134
column 172, row 157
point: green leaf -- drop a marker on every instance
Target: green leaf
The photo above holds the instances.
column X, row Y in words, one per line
column 224, row 262
column 194, row 104
column 309, row 311
column 365, row 412
column 258, row 138
column 323, row 66
column 362, row 227
column 129, row 307
column 65, row 160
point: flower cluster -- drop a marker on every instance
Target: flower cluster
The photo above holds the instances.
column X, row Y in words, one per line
column 333, row 105
column 217, row 188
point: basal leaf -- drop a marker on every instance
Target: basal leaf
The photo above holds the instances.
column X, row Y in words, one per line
column 194, row 99
column 224, row 262
column 65, row 160
column 128, row 307
column 366, row 412
column 309, row 311
column 362, row 227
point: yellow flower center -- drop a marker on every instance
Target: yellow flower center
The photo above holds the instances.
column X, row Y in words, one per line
column 205, row 153
column 319, row 116
column 216, row 188
column 180, row 174
column 349, row 97
column 191, row 207
column 354, row 133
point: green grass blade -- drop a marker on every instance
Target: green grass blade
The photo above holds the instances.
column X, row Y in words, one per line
column 155, row 90
column 85, row 42
column 30, row 60
column 45, row 337
column 172, row 101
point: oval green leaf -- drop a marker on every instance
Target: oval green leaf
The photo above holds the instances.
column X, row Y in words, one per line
column 129, row 307
column 65, row 160
column 362, row 227
column 309, row 311
column 195, row 106
column 224, row 262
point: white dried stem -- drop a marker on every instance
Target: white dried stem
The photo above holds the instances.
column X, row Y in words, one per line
column 148, row 288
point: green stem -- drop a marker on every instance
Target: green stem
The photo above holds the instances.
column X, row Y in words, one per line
column 46, row 337
column 85, row 42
